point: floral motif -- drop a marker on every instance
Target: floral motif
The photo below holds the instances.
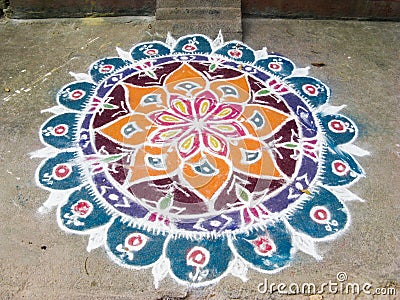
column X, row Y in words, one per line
column 264, row 246
column 198, row 257
column 203, row 134
column 133, row 243
column 199, row 158
column 202, row 123
column 80, row 210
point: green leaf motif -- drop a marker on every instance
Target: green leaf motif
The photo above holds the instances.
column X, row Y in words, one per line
column 151, row 74
column 290, row 145
column 243, row 194
column 212, row 67
column 263, row 92
column 109, row 106
column 112, row 158
column 166, row 202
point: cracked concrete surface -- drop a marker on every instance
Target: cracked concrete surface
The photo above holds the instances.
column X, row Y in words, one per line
column 39, row 261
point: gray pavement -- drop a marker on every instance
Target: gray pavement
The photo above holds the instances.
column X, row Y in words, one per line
column 39, row 261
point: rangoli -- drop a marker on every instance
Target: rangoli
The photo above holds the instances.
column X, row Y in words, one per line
column 199, row 159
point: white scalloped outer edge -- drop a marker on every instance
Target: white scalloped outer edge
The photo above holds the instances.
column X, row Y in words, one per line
column 238, row 266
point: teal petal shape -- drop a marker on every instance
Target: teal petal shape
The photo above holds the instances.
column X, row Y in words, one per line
column 133, row 247
column 316, row 92
column 60, row 172
column 277, row 65
column 82, row 212
column 338, row 129
column 193, row 44
column 266, row 250
column 199, row 262
column 76, row 95
column 237, row 51
column 105, row 67
column 60, row 131
column 340, row 168
column 321, row 216
column 149, row 50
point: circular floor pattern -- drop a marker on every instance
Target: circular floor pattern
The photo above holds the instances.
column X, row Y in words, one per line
column 199, row 158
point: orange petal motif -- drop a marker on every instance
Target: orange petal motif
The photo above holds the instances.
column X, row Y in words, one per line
column 145, row 99
column 207, row 174
column 249, row 157
column 154, row 162
column 261, row 121
column 232, row 90
column 130, row 130
column 185, row 81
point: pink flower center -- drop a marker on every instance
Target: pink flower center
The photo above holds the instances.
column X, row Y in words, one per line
column 198, row 124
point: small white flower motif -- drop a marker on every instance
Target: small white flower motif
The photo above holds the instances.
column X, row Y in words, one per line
column 264, row 246
column 80, row 210
column 321, row 215
column 236, row 52
column 198, row 257
column 59, row 130
column 340, row 168
column 191, row 45
column 133, row 243
column 275, row 65
column 148, row 50
column 312, row 90
column 339, row 126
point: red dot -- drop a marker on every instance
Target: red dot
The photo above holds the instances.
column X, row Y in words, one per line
column 264, row 246
column 337, row 125
column 235, row 53
column 106, row 68
column 189, row 47
column 198, row 257
column 75, row 95
column 62, row 171
column 310, row 89
column 339, row 166
column 321, row 215
column 60, row 130
column 151, row 52
column 135, row 240
column 275, row 66
column 82, row 207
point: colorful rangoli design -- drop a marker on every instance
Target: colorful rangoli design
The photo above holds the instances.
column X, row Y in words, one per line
column 199, row 159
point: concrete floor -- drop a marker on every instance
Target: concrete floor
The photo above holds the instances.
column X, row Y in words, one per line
column 39, row 261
